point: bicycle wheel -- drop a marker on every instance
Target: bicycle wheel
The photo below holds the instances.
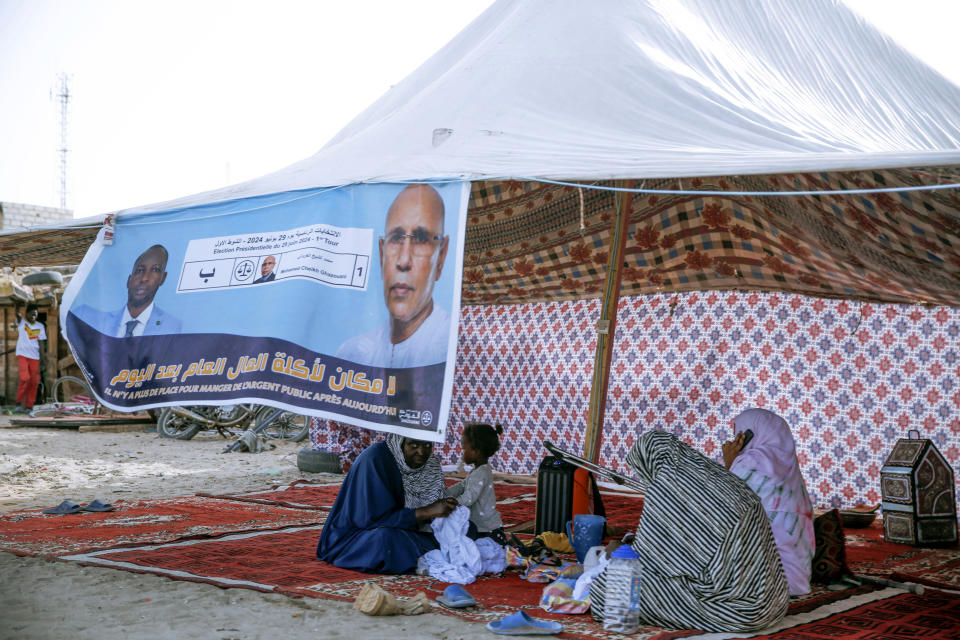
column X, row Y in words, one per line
column 70, row 389
column 172, row 425
column 288, row 426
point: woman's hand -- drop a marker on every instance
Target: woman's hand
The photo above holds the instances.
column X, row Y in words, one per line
column 732, row 448
column 439, row 509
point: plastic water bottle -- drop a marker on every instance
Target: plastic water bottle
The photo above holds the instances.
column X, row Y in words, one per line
column 621, row 611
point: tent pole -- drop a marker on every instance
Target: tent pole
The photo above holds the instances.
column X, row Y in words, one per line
column 607, row 324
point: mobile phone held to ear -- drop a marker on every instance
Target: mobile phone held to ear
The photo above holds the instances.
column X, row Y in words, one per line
column 747, row 437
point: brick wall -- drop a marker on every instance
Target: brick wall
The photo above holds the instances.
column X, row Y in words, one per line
column 14, row 215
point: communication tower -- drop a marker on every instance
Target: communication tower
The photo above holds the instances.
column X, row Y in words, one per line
column 63, row 95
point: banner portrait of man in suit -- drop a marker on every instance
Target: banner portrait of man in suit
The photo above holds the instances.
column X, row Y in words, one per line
column 139, row 316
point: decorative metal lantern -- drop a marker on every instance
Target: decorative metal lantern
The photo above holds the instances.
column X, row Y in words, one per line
column 919, row 497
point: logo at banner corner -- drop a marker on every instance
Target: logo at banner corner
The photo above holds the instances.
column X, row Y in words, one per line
column 415, row 416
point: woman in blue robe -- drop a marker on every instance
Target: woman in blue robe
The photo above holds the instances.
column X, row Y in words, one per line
column 376, row 524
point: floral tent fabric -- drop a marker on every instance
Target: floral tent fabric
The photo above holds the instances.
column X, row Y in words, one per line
column 850, row 377
column 542, row 242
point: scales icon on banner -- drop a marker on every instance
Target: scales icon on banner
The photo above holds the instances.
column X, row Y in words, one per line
column 243, row 270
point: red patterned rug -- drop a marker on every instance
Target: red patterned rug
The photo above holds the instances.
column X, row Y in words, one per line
column 869, row 554
column 307, row 494
column 887, row 615
column 300, row 494
column 284, row 562
column 517, row 503
column 266, row 541
column 138, row 522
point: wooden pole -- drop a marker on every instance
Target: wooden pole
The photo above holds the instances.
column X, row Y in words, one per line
column 53, row 337
column 606, row 325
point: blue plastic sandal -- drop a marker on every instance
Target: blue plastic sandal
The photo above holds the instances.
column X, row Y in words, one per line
column 456, row 597
column 63, row 508
column 520, row 624
column 98, row 506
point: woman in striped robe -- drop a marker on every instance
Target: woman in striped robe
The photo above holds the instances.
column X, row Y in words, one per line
column 709, row 558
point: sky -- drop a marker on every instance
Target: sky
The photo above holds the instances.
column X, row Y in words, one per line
column 177, row 97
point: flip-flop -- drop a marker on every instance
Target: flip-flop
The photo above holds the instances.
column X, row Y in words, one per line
column 98, row 506
column 456, row 597
column 520, row 624
column 64, row 508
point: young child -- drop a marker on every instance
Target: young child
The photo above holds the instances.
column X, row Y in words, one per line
column 480, row 442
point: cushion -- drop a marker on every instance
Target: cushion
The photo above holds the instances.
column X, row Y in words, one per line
column 830, row 558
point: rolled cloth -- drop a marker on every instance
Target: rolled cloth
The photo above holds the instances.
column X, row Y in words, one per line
column 769, row 466
column 709, row 558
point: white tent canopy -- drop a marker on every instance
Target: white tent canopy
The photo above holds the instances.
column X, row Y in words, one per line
column 567, row 89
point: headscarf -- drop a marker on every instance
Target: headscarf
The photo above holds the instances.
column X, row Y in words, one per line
column 709, row 559
column 421, row 486
column 769, row 465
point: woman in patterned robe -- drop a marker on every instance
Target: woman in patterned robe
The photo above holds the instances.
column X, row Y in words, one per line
column 377, row 523
column 709, row 558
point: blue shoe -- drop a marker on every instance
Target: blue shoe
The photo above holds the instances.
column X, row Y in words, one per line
column 63, row 508
column 98, row 506
column 456, row 597
column 520, row 624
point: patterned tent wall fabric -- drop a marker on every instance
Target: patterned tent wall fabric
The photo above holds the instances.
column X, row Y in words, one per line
column 851, row 378
column 530, row 241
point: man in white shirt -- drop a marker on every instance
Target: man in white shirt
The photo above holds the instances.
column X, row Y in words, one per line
column 31, row 343
column 140, row 316
column 412, row 253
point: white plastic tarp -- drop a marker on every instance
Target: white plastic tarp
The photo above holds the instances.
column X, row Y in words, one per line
column 569, row 89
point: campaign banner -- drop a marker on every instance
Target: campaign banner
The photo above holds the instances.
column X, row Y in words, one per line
column 341, row 303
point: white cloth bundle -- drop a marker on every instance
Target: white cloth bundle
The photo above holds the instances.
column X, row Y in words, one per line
column 459, row 560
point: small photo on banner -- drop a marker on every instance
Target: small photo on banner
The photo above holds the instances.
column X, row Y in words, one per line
column 341, row 303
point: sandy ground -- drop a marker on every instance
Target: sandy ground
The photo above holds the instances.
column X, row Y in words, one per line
column 40, row 599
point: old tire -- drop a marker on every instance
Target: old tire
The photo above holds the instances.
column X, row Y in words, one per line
column 313, row 461
column 171, row 425
column 42, row 277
